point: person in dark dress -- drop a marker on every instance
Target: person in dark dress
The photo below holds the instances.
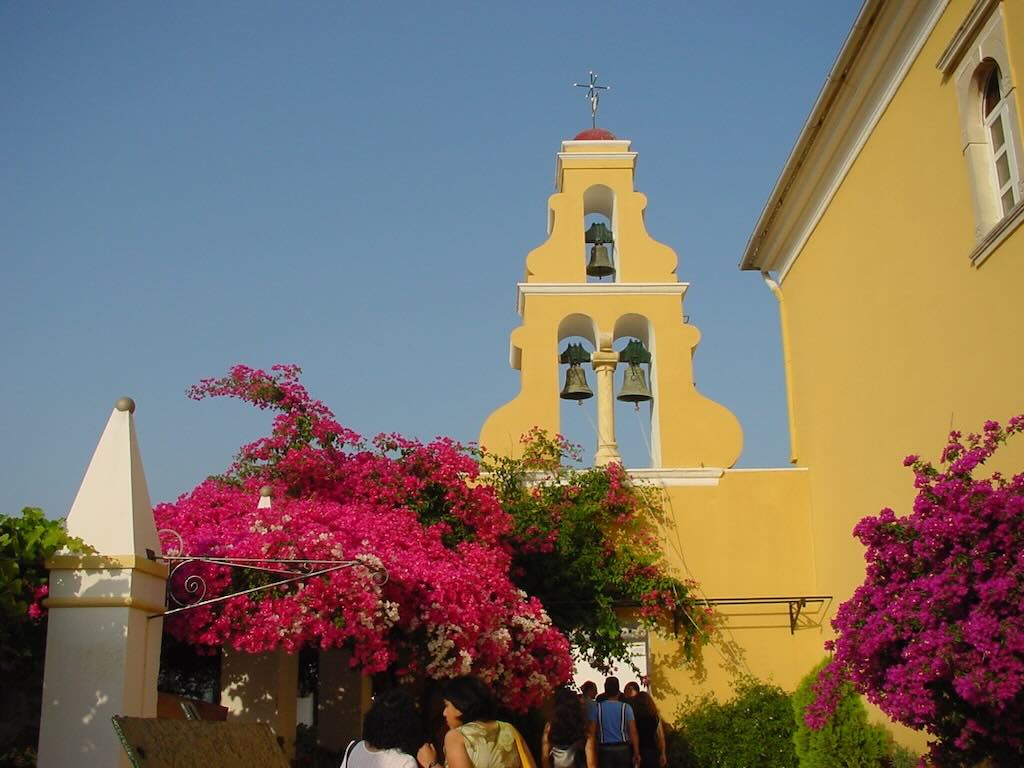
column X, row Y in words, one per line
column 649, row 730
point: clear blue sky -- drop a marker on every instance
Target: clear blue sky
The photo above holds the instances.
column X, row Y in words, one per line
column 188, row 185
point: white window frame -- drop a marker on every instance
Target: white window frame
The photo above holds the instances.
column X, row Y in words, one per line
column 1000, row 115
column 980, row 43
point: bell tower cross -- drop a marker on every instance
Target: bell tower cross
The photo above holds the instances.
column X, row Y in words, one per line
column 594, row 95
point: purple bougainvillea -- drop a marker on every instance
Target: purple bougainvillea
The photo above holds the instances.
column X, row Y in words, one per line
column 935, row 634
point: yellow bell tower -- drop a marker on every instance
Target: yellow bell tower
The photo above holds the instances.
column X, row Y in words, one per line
column 601, row 293
column 627, row 292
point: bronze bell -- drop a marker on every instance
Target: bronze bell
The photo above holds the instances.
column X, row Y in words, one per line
column 634, row 386
column 600, row 265
column 598, row 232
column 576, row 387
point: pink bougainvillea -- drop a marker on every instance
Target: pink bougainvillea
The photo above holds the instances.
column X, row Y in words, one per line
column 448, row 606
column 935, row 635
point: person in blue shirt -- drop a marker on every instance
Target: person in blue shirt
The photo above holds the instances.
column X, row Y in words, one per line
column 618, row 743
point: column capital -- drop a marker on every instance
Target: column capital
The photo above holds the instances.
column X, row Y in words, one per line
column 600, row 360
column 107, row 563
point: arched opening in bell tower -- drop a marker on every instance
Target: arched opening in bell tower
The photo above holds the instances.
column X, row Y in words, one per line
column 600, row 251
column 577, row 339
column 636, row 398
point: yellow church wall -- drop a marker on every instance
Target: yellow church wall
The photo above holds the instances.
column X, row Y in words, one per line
column 895, row 337
column 749, row 535
column 892, row 335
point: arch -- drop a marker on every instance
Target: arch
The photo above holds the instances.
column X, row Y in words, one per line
column 599, row 208
column 599, row 199
column 989, row 86
column 580, row 325
column 638, row 450
column 973, row 117
column 994, row 100
column 989, row 128
column 989, row 123
column 576, row 418
column 635, row 326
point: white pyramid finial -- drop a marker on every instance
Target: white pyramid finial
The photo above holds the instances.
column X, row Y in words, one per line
column 112, row 511
column 265, row 493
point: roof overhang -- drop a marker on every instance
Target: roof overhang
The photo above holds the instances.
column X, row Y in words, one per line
column 886, row 38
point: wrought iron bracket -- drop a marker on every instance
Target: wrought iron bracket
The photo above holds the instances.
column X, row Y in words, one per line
column 795, row 604
column 289, row 571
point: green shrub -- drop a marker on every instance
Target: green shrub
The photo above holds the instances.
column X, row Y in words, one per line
column 752, row 730
column 847, row 740
column 26, row 542
column 901, row 757
column 677, row 749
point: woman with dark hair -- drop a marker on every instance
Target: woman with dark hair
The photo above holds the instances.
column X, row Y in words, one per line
column 650, row 731
column 391, row 733
column 568, row 740
column 475, row 737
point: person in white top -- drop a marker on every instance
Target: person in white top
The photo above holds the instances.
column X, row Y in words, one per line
column 391, row 731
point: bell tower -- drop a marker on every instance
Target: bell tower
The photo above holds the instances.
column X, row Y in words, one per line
column 599, row 278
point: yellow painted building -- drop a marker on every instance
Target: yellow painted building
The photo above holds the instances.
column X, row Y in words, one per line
column 892, row 241
column 893, row 237
column 742, row 534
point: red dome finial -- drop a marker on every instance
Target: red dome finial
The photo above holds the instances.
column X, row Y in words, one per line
column 595, row 134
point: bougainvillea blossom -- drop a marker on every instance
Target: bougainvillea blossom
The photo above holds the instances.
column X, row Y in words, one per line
column 448, row 606
column 935, row 634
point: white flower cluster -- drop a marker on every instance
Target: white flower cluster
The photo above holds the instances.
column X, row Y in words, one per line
column 500, row 636
column 444, row 663
column 492, row 674
column 537, row 680
column 383, row 617
column 388, row 610
column 531, row 626
column 261, row 526
column 370, row 561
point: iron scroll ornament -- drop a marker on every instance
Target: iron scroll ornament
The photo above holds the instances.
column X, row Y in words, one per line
column 192, row 588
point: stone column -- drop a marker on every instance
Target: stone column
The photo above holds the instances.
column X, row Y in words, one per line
column 262, row 688
column 343, row 699
column 102, row 646
column 604, row 363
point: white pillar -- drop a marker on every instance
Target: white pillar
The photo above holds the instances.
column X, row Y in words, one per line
column 102, row 649
column 604, row 363
column 344, row 697
column 262, row 688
